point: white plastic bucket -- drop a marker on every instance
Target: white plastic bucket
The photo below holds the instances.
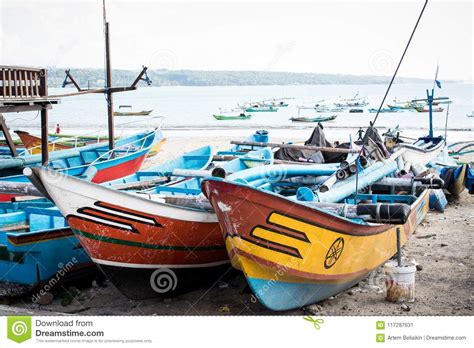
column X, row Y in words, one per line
column 400, row 282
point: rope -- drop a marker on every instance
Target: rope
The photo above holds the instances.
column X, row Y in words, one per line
column 388, row 90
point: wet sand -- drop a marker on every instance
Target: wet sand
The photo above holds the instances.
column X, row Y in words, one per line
column 442, row 247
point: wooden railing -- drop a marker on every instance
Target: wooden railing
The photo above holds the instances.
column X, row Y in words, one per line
column 21, row 83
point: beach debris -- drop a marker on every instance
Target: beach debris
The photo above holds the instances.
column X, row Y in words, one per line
column 405, row 307
column 224, row 309
column 426, row 236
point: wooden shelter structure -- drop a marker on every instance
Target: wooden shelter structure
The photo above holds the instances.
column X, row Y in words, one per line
column 25, row 89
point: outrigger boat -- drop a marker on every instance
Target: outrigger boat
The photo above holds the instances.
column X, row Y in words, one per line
column 304, row 249
column 36, row 244
column 424, row 109
column 241, row 116
column 356, row 101
column 93, row 162
column 320, row 239
column 261, row 108
column 390, row 109
column 314, row 119
column 33, row 143
column 131, row 113
column 38, row 221
column 136, row 239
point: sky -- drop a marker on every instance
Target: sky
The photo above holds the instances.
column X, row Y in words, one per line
column 334, row 37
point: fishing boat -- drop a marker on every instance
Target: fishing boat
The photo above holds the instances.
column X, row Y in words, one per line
column 33, row 143
column 356, row 101
column 314, row 119
column 279, row 104
column 392, row 109
column 425, row 109
column 405, row 105
column 93, row 162
column 196, row 160
column 296, row 253
column 261, row 108
column 35, row 246
column 130, row 112
column 140, row 240
column 241, row 116
column 352, row 111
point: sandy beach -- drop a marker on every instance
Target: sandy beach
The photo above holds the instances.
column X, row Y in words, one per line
column 442, row 248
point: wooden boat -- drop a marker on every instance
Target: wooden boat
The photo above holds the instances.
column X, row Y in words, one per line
column 36, row 244
column 393, row 109
column 241, row 116
column 261, row 108
column 318, row 108
column 196, row 160
column 425, row 109
column 293, row 253
column 422, row 151
column 156, row 148
column 139, row 240
column 356, row 101
column 94, row 162
column 33, row 143
column 314, row 119
column 131, row 113
column 38, row 222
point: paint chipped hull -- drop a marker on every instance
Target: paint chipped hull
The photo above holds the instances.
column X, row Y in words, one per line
column 293, row 255
column 129, row 235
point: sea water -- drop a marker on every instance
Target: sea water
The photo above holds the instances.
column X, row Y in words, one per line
column 190, row 109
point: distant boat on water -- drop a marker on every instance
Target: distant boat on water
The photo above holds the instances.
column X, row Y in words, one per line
column 129, row 111
column 241, row 116
column 372, row 110
column 314, row 119
column 261, row 108
column 425, row 109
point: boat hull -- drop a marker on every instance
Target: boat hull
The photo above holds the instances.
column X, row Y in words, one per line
column 282, row 245
column 124, row 233
column 34, row 258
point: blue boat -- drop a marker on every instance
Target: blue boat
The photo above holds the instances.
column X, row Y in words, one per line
column 37, row 248
column 198, row 159
column 93, row 162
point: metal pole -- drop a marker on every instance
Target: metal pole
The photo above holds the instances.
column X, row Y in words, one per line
column 399, row 248
column 430, row 105
column 110, row 102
